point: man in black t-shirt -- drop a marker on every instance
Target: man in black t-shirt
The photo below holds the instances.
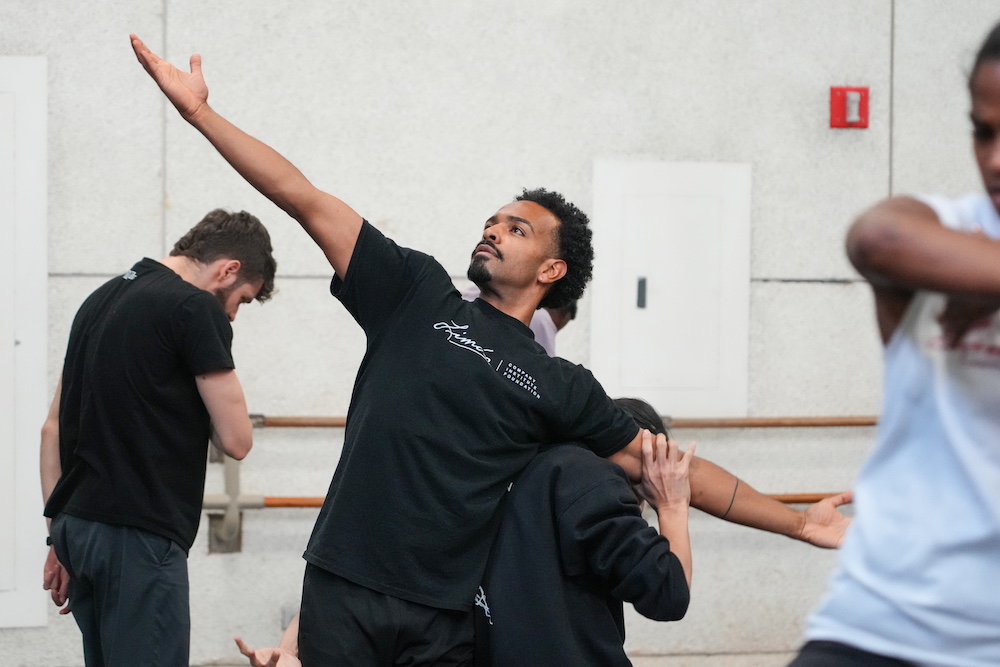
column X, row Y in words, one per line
column 148, row 380
column 391, row 575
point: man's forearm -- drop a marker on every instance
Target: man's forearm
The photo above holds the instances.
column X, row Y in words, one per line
column 716, row 491
column 673, row 523
column 901, row 243
column 290, row 640
column 49, row 460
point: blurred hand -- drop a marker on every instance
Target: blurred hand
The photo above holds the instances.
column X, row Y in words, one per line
column 268, row 657
column 55, row 579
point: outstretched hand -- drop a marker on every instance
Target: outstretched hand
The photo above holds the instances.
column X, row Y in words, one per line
column 824, row 525
column 55, row 579
column 186, row 91
column 268, row 657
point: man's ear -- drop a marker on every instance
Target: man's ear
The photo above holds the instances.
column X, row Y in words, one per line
column 551, row 271
column 227, row 272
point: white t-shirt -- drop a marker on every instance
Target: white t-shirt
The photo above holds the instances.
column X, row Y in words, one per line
column 919, row 572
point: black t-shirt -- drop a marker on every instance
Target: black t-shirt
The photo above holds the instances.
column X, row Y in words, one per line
column 133, row 429
column 572, row 545
column 451, row 401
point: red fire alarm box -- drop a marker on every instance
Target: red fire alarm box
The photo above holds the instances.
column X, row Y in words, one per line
column 849, row 107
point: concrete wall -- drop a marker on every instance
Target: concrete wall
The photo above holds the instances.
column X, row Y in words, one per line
column 426, row 117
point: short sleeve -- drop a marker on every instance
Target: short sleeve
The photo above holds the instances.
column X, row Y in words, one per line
column 593, row 419
column 203, row 334
column 379, row 276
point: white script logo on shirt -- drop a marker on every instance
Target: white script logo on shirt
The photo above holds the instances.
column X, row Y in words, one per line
column 457, row 337
column 481, row 602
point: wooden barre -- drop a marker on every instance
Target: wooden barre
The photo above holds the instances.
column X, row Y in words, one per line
column 317, row 501
column 262, row 421
column 771, row 422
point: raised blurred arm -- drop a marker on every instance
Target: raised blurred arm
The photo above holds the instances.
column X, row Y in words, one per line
column 900, row 246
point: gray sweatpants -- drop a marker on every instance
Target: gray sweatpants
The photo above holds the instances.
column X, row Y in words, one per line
column 128, row 592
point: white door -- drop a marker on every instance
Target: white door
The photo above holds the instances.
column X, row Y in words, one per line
column 670, row 299
column 23, row 336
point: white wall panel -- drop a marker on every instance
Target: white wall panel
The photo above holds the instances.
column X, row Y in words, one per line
column 671, row 286
column 814, row 350
column 23, row 404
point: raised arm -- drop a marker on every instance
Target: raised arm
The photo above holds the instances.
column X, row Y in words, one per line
column 331, row 223
column 900, row 246
column 223, row 396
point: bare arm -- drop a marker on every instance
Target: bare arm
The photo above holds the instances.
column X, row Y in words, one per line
column 55, row 578
column 665, row 486
column 900, row 246
column 719, row 493
column 50, row 462
column 715, row 491
column 222, row 394
column 331, row 223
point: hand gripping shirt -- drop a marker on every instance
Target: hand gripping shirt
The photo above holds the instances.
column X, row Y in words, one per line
column 451, row 401
column 919, row 571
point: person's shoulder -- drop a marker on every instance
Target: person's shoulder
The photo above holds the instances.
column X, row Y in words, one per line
column 971, row 212
column 372, row 239
column 575, row 461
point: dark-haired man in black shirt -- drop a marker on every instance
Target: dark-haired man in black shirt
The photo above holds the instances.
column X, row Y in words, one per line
column 147, row 380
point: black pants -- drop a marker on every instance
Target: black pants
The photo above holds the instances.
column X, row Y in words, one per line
column 832, row 654
column 128, row 592
column 342, row 623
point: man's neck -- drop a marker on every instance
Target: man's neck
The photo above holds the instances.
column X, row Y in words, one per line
column 520, row 305
column 188, row 269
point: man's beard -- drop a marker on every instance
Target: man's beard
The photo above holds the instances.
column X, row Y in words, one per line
column 223, row 293
column 478, row 273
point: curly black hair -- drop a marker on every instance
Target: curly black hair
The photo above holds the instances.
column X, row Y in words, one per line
column 221, row 234
column 989, row 51
column 575, row 246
